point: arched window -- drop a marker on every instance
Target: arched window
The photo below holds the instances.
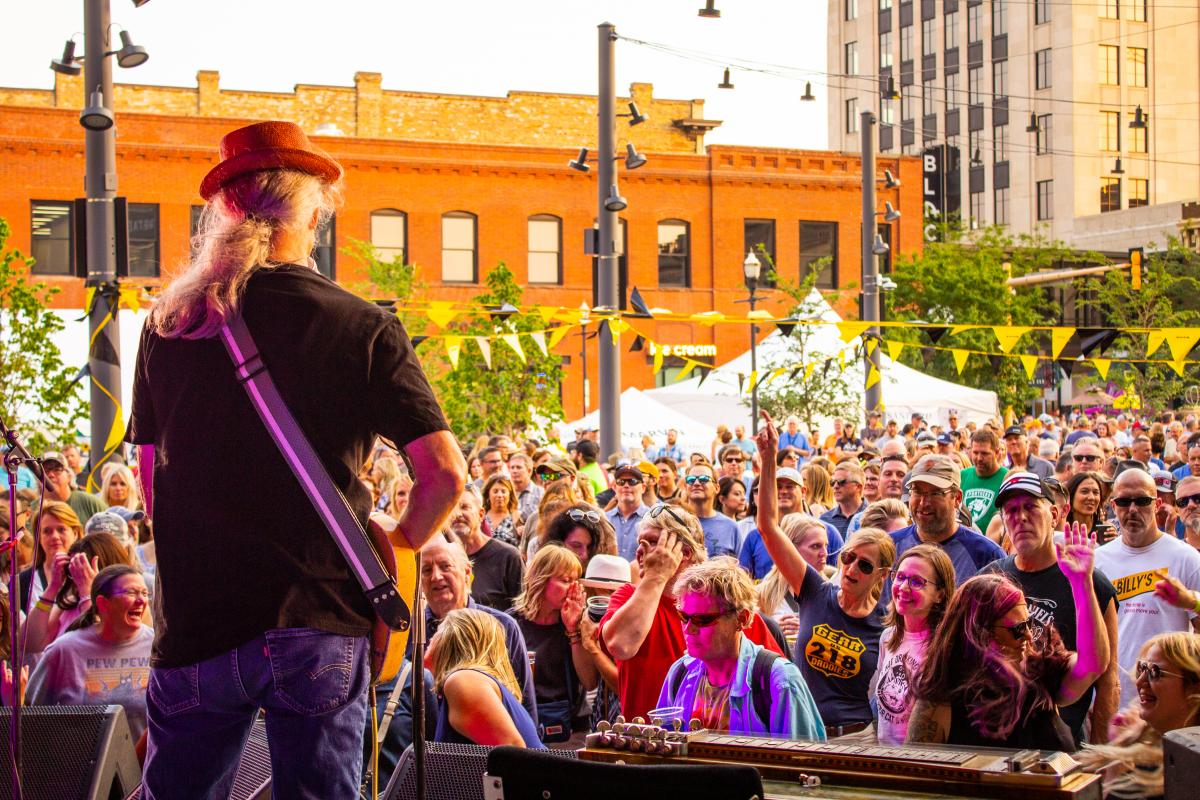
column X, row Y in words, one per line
column 545, row 249
column 459, row 248
column 674, row 253
column 389, row 234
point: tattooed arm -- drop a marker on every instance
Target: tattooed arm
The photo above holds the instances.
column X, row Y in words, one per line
column 929, row 723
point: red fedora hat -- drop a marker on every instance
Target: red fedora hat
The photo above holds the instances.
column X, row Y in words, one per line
column 267, row 145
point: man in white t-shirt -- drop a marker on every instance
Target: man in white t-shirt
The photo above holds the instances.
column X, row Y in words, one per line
column 1157, row 577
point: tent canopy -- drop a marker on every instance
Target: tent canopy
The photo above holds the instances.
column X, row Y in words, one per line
column 641, row 416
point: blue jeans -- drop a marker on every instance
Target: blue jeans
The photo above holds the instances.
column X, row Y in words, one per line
column 312, row 686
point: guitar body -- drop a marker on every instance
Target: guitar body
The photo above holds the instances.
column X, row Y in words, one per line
column 403, row 563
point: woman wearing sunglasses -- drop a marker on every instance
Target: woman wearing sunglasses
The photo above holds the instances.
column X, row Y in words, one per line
column 584, row 531
column 986, row 683
column 1168, row 684
column 922, row 585
column 837, row 644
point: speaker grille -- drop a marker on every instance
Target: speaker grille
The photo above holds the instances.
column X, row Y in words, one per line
column 253, row 777
column 452, row 772
column 60, row 749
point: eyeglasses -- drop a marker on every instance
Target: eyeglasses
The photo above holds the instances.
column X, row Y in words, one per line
column 914, row 495
column 627, row 482
column 1085, row 458
column 703, row 620
column 133, row 594
column 1018, row 631
column 1154, row 671
column 1126, row 502
column 546, row 475
column 580, row 515
column 658, row 511
column 865, row 567
column 700, row 479
column 1191, row 499
column 490, row 463
column 915, row 582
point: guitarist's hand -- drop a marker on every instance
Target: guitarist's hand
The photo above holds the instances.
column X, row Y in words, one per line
column 572, row 608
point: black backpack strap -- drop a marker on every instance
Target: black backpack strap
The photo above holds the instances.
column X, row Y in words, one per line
column 760, row 684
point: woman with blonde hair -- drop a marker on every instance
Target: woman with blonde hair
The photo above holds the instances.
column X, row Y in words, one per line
column 401, row 494
column 811, row 538
column 888, row 514
column 818, row 489
column 480, row 697
column 1168, row 682
column 385, row 473
column 121, row 489
column 548, row 612
column 58, row 529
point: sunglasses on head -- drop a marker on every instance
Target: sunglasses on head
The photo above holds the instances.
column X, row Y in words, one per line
column 1018, row 631
column 579, row 515
column 658, row 510
column 865, row 567
column 1126, row 502
column 700, row 479
column 1154, row 671
column 702, row 620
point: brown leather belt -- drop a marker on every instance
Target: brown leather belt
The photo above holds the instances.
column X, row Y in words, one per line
column 832, row 731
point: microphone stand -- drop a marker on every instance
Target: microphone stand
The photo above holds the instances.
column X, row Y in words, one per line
column 13, row 459
column 418, row 687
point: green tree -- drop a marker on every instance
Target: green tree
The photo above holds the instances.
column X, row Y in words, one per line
column 387, row 279
column 512, row 396
column 960, row 280
column 1169, row 298
column 38, row 394
column 831, row 391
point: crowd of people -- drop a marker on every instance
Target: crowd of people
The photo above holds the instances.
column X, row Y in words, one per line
column 915, row 584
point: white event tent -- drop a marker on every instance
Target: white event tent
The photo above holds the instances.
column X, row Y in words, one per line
column 641, row 416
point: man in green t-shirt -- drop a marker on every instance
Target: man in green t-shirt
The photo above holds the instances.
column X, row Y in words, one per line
column 586, row 454
column 981, row 482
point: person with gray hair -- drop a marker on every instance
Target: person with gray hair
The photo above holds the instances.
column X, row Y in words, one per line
column 1048, row 449
column 725, row 680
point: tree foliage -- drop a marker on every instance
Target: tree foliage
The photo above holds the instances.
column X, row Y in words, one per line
column 1169, row 298
column 831, row 391
column 961, row 280
column 513, row 395
column 38, row 394
column 387, row 279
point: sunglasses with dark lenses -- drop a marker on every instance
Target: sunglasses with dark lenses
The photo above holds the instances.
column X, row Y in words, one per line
column 627, row 482
column 580, row 515
column 865, row 567
column 1086, row 458
column 1018, row 631
column 1191, row 499
column 703, row 620
column 1154, row 671
column 734, row 460
column 1126, row 502
column 700, row 479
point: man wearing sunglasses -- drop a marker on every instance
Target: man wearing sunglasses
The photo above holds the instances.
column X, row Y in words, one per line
column 1086, row 455
column 627, row 514
column 721, row 534
column 1156, row 576
column 1030, row 516
column 1187, row 500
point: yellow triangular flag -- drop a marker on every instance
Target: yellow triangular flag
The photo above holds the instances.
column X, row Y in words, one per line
column 872, row 377
column 658, row 357
column 842, row 360
column 1009, row 335
column 1030, row 365
column 808, row 371
column 688, row 366
column 1058, row 340
column 539, row 338
column 557, row 334
column 485, row 347
column 131, row 298
column 616, row 327
column 752, row 381
column 1181, row 342
column 960, row 359
column 514, row 341
column 1180, row 368
column 441, row 312
column 548, row 313
column 849, row 329
column 116, row 434
column 871, row 345
column 1102, row 365
column 894, row 349
column 453, row 350
column 88, row 294
column 1154, row 340
column 957, row 329
column 708, row 318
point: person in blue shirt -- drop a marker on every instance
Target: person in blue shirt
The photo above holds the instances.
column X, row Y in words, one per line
column 723, row 681
column 671, row 449
column 721, row 534
column 628, row 484
column 794, row 438
column 934, row 492
column 753, row 555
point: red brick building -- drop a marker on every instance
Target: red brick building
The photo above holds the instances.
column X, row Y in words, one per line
column 459, row 184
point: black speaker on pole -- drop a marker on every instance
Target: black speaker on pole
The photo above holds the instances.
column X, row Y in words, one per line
column 83, row 752
column 1181, row 763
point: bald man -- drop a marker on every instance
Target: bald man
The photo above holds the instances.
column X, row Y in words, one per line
column 1157, row 577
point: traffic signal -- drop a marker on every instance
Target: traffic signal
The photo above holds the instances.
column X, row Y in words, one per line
column 1136, row 259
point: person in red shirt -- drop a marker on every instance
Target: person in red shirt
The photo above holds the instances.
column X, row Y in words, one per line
column 642, row 630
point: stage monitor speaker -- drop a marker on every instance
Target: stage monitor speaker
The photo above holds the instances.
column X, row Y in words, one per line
column 1181, row 763
column 252, row 781
column 452, row 772
column 514, row 773
column 83, row 752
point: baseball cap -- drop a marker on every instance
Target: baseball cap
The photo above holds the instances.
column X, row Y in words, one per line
column 1045, row 419
column 606, row 572
column 1022, row 483
column 1014, row 430
column 647, row 468
column 789, row 474
column 560, row 464
column 126, row 514
column 925, row 437
column 628, row 468
column 944, row 438
column 107, row 522
column 936, row 470
column 1163, row 481
column 50, row 456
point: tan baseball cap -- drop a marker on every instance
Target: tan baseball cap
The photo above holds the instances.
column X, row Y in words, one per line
column 936, row 470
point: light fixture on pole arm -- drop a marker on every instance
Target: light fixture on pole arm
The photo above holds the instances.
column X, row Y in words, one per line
column 880, row 247
column 751, row 271
column 633, row 159
column 67, row 64
column 1117, row 168
column 808, row 95
column 1139, row 119
column 889, row 180
column 580, row 162
column 615, row 201
column 1032, row 127
column 890, row 213
column 96, row 117
column 635, row 117
column 710, row 10
column 130, row 55
column 725, row 84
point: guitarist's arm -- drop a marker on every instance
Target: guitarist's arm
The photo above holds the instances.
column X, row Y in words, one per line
column 439, row 473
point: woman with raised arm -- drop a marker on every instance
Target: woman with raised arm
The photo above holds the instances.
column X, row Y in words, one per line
column 837, row 644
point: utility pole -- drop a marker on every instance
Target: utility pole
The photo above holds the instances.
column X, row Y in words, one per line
column 606, row 272
column 100, row 189
column 870, row 268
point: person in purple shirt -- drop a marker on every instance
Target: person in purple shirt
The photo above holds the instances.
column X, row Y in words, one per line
column 934, row 491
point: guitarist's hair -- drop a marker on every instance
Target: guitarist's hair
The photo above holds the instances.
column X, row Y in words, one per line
column 232, row 242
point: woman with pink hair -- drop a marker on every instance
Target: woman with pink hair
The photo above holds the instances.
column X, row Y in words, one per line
column 985, row 683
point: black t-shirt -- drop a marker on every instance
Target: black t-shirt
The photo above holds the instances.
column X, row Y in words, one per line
column 1048, row 596
column 552, row 660
column 240, row 549
column 497, row 573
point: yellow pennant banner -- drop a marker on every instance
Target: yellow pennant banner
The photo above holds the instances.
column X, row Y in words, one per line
column 1058, row 340
column 1009, row 335
column 688, row 366
column 808, row 371
column 616, row 327
column 871, row 345
column 960, row 359
column 453, row 350
column 1181, row 342
column 752, row 382
column 895, row 349
column 658, row 360
column 1180, row 368
column 1030, row 365
column 849, row 329
column 514, row 341
column 872, row 377
column 485, row 347
column 557, row 334
column 539, row 338
column 441, row 312
column 709, row 318
column 548, row 313
column 1154, row 340
column 1102, row 365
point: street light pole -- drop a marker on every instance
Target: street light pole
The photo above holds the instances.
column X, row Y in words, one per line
column 751, row 269
column 870, row 268
column 606, row 257
column 100, row 189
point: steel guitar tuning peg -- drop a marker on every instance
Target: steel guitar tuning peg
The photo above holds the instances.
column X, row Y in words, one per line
column 677, row 725
column 620, row 719
column 639, row 721
column 604, row 726
column 695, row 725
column 656, row 721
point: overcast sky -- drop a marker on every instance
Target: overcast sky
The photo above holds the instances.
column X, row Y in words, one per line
column 466, row 47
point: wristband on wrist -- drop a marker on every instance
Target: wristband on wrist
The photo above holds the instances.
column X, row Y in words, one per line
column 42, row 605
